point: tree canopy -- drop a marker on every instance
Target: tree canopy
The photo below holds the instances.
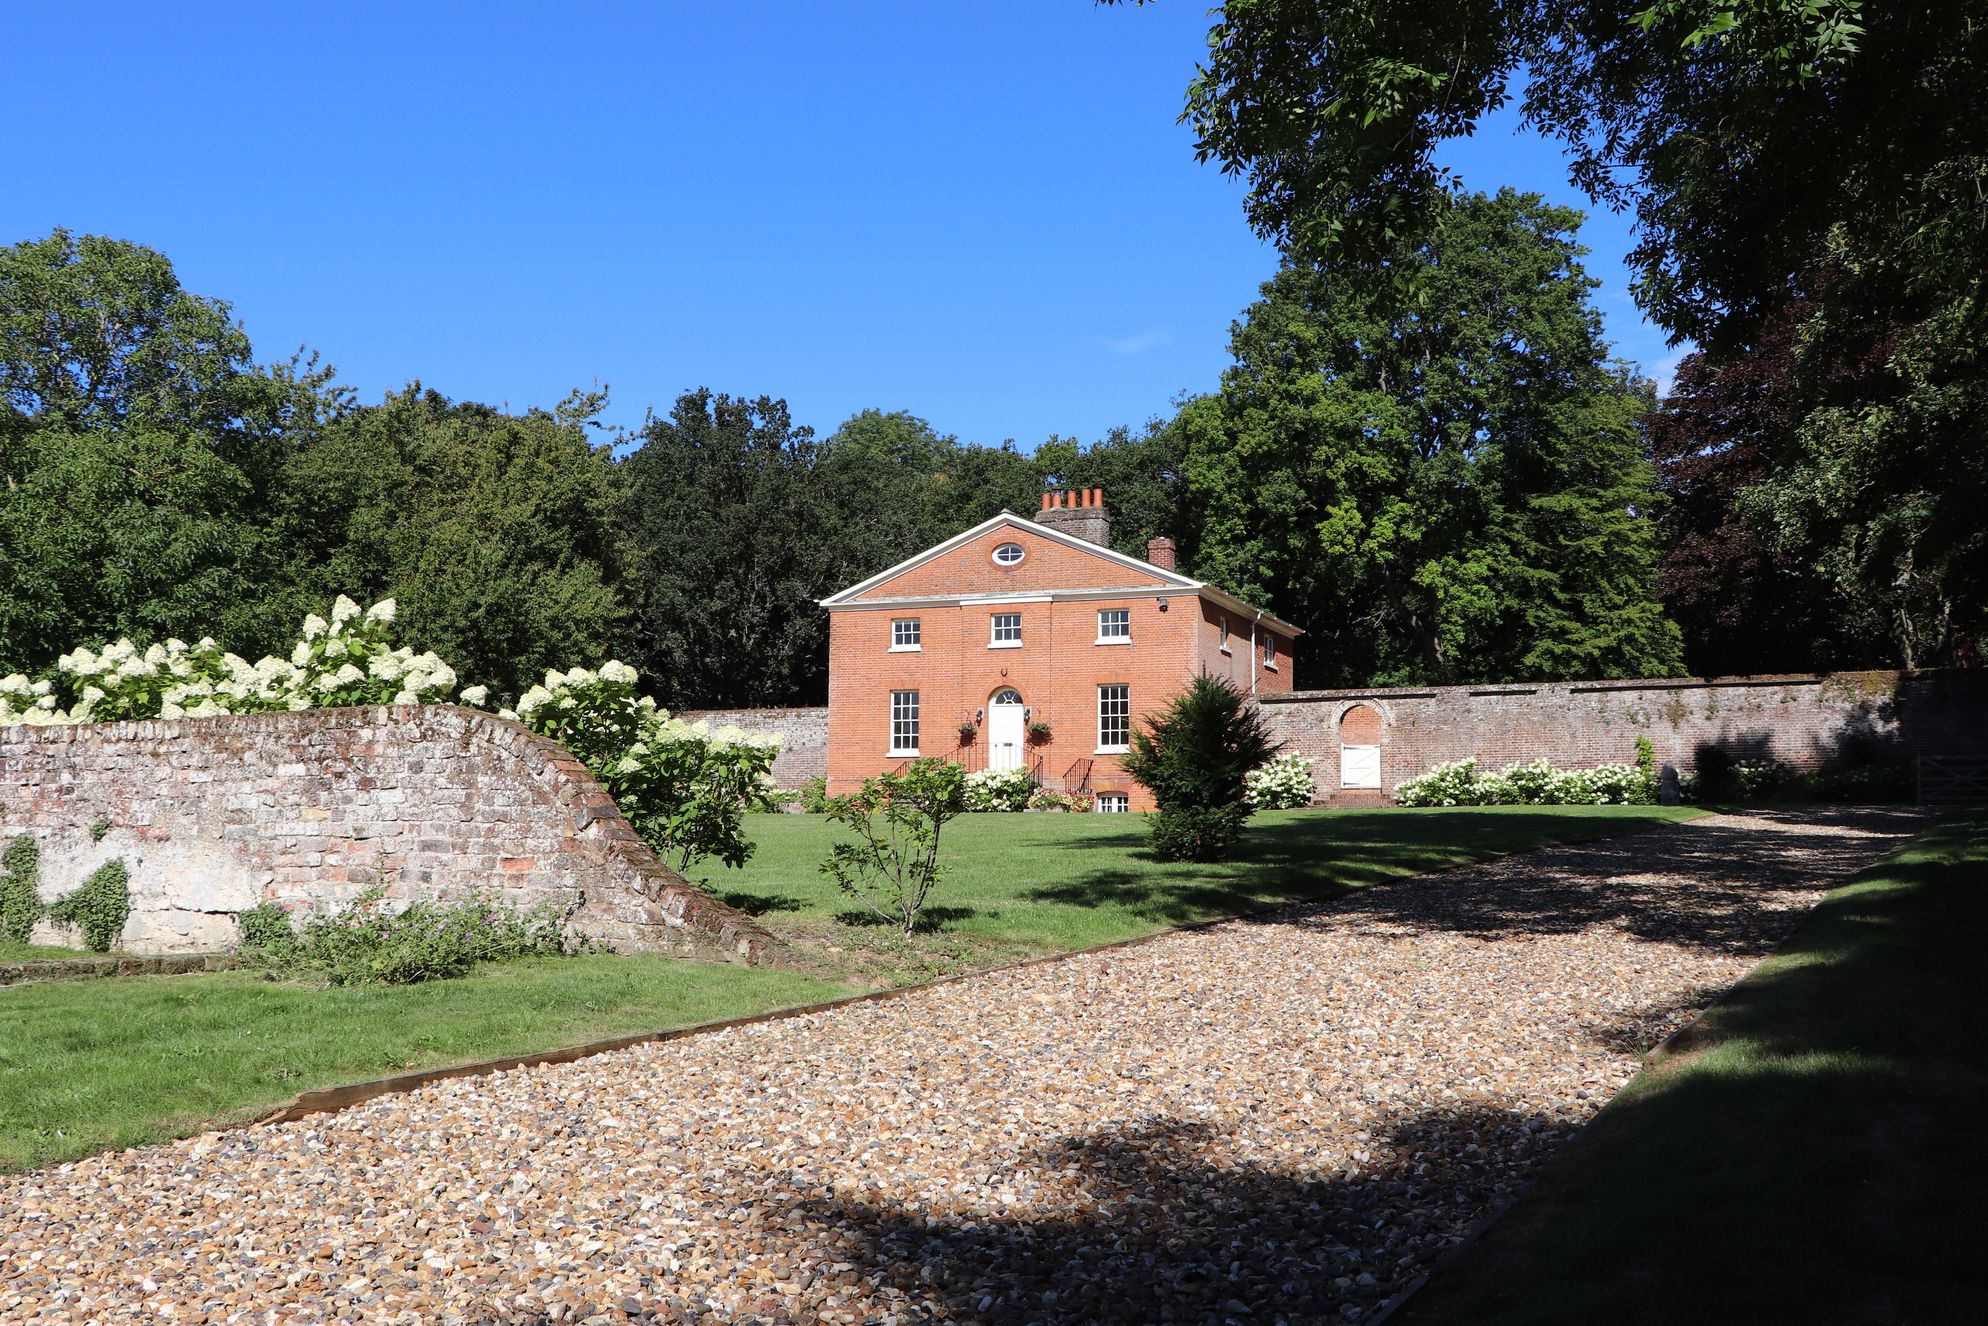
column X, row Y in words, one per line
column 1450, row 488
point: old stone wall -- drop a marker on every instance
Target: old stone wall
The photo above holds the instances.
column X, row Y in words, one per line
column 803, row 737
column 214, row 815
column 1811, row 722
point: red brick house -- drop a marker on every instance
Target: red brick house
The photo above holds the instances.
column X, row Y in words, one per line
column 1031, row 644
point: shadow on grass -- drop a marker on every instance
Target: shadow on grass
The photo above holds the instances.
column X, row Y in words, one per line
column 1814, row 1152
column 759, row 904
column 1159, row 1222
column 1704, row 886
column 930, row 919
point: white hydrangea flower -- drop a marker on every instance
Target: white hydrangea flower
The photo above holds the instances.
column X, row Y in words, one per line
column 407, row 697
column 616, row 671
column 385, row 667
column 315, row 626
column 343, row 610
column 300, row 655
column 475, row 695
column 382, row 613
column 155, row 654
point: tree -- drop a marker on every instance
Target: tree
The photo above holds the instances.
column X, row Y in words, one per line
column 897, row 817
column 1743, row 605
column 139, row 445
column 732, row 547
column 1822, row 155
column 498, row 534
column 1447, row 488
column 1195, row 758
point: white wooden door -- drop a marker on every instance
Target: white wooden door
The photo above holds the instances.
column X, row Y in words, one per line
column 1359, row 766
column 1004, row 730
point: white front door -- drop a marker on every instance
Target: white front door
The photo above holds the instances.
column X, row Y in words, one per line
column 1004, row 730
column 1359, row 766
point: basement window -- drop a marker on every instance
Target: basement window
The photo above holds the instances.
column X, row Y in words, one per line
column 1113, row 803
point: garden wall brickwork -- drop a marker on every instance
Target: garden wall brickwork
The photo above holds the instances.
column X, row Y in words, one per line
column 1812, row 722
column 215, row 815
column 803, row 737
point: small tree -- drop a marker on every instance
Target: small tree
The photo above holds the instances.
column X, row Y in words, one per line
column 1194, row 758
column 893, row 865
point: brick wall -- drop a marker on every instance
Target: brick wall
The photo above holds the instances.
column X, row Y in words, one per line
column 215, row 815
column 1811, row 722
column 803, row 736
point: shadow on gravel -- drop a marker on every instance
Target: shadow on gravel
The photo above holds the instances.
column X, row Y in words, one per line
column 1170, row 1231
column 1700, row 885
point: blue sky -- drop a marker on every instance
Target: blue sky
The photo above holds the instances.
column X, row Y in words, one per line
column 985, row 215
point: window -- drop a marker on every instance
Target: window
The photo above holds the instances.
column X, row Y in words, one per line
column 1114, row 719
column 904, row 722
column 1225, row 635
column 1113, row 803
column 1269, row 651
column 1115, row 626
column 1007, row 631
column 904, row 634
column 1008, row 554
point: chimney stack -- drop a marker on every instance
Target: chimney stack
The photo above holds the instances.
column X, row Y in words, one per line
column 1159, row 552
column 1080, row 512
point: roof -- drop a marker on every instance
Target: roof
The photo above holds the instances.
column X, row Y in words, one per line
column 1169, row 581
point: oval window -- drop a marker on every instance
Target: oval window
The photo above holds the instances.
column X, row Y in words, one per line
column 1008, row 554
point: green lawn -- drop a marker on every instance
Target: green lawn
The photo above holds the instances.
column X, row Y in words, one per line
column 12, row 952
column 1018, row 885
column 1817, row 1153
column 86, row 1065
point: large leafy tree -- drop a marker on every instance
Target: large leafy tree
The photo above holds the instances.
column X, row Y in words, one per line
column 1447, row 488
column 1822, row 155
column 497, row 533
column 139, row 445
column 732, row 545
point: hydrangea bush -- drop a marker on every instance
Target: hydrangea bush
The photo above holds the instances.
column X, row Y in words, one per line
column 999, row 789
column 1285, row 783
column 683, row 787
column 1461, row 783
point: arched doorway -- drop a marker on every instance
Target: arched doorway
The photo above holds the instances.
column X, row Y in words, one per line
column 1360, row 747
column 1005, row 729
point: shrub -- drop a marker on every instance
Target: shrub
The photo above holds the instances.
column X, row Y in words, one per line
column 1456, row 783
column 998, row 790
column 368, row 943
column 1759, row 780
column 1197, row 833
column 1194, row 757
column 1874, row 782
column 893, row 865
column 1285, row 783
column 1646, row 769
column 1537, row 784
column 20, row 905
column 1044, row 799
column 266, row 930
column 99, row 908
column 814, row 796
column 685, row 789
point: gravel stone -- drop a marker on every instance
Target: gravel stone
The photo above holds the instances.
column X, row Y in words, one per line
column 1282, row 1119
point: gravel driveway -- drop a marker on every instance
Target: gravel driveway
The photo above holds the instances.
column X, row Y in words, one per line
column 1273, row 1120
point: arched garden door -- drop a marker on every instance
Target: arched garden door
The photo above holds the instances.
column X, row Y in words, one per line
column 1360, row 747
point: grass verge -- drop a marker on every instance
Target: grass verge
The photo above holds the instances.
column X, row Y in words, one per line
column 1021, row 885
column 12, row 952
column 86, row 1065
column 1814, row 1151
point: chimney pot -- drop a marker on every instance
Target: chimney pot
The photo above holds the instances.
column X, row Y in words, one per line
column 1045, row 501
column 1159, row 552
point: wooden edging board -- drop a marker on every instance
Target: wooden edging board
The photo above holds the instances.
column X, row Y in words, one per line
column 331, row 1099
